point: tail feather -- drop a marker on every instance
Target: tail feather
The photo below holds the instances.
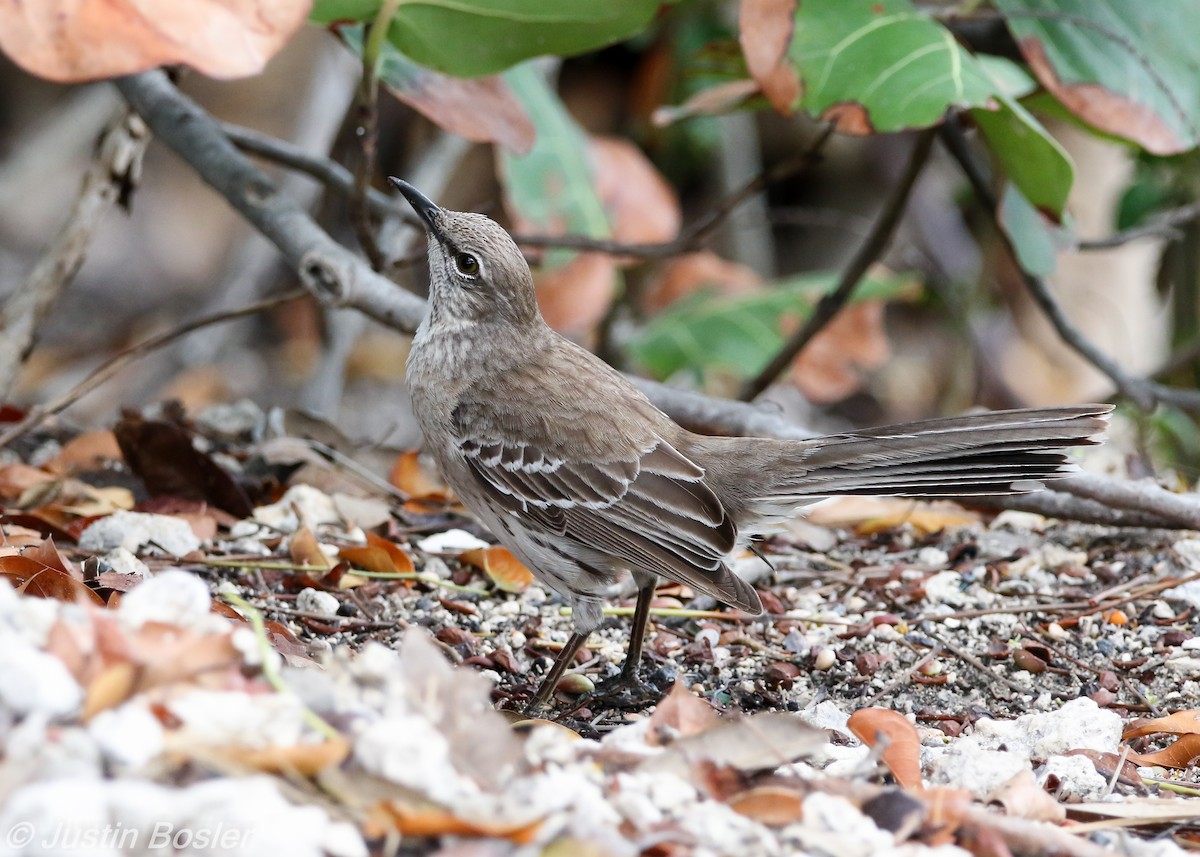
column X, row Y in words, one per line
column 1001, row 452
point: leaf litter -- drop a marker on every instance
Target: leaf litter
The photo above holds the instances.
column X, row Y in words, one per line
column 335, row 688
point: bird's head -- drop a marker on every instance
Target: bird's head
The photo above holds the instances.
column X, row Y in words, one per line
column 476, row 270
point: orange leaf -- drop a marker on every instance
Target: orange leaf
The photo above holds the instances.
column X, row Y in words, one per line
column 418, row 482
column 1179, row 723
column 903, row 751
column 1180, row 754
column 774, row 806
column 74, row 40
column 88, row 451
column 304, row 549
column 498, row 563
column 379, row 555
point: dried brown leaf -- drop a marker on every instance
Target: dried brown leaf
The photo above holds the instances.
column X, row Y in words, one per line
column 764, row 31
column 304, row 549
column 575, row 297
column 379, row 554
column 1022, row 797
column 679, row 714
column 902, row 753
column 419, row 482
column 1179, row 723
column 498, row 563
column 691, row 272
column 773, row 806
column 87, row 451
column 1182, row 753
column 642, row 207
column 307, row 760
column 832, row 365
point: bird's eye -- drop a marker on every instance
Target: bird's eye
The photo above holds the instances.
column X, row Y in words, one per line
column 467, row 264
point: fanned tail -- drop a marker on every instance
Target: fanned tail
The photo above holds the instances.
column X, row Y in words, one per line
column 1000, row 452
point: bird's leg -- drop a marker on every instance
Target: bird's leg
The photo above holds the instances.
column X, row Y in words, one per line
column 556, row 672
column 637, row 634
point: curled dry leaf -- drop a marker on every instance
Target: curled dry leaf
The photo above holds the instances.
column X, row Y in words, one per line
column 679, row 714
column 31, row 577
column 902, row 752
column 74, row 40
column 414, row 478
column 764, row 31
column 109, row 688
column 304, row 549
column 17, row 479
column 1179, row 723
column 379, row 554
column 498, row 563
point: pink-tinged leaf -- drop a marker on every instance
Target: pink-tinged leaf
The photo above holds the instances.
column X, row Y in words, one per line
column 74, row 40
column 765, row 29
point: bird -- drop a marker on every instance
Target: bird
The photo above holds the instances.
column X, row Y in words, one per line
column 574, row 470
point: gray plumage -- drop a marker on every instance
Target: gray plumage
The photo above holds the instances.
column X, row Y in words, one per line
column 576, row 472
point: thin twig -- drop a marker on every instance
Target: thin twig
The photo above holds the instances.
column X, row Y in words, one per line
column 1143, row 392
column 867, row 254
column 1161, row 225
column 106, row 370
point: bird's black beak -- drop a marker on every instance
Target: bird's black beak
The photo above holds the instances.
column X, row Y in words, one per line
column 422, row 205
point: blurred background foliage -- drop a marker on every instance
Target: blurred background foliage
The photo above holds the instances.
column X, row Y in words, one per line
column 688, row 180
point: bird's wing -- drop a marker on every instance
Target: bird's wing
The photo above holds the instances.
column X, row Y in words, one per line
column 600, row 479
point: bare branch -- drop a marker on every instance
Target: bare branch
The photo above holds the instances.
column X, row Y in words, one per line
column 114, row 171
column 868, row 252
column 1161, row 225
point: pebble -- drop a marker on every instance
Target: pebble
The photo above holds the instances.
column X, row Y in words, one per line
column 315, row 601
column 824, row 660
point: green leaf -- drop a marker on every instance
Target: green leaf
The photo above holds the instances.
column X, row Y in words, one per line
column 738, row 335
column 880, row 65
column 1035, row 240
column 469, row 38
column 1129, row 68
column 332, row 11
column 551, row 187
column 1031, row 158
